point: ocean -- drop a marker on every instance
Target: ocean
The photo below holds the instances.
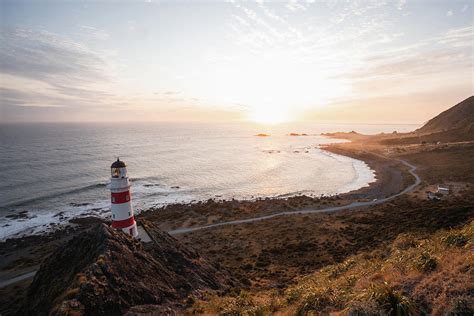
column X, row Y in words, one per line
column 53, row 172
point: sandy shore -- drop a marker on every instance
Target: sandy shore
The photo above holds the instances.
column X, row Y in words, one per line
column 392, row 177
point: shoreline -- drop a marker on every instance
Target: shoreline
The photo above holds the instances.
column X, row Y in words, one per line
column 354, row 205
column 61, row 221
column 183, row 216
column 384, row 178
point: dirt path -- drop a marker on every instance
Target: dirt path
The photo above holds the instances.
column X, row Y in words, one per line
column 309, row 211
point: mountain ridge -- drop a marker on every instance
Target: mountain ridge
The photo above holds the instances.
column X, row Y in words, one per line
column 458, row 117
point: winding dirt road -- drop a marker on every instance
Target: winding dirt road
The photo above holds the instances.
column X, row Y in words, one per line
column 310, row 211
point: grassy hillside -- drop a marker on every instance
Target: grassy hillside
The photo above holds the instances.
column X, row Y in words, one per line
column 433, row 274
column 460, row 116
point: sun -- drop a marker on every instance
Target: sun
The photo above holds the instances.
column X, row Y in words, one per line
column 270, row 114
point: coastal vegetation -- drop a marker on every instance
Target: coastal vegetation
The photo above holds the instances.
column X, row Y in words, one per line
column 413, row 275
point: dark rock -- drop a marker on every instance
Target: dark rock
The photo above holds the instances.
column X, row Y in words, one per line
column 20, row 215
column 105, row 272
column 86, row 220
column 79, row 204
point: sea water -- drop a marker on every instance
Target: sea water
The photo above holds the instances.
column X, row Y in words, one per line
column 54, row 172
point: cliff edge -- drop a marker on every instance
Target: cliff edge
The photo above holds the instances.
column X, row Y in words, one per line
column 105, row 272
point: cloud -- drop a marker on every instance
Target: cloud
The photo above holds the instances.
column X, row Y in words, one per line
column 460, row 37
column 92, row 32
column 431, row 63
column 440, row 66
column 19, row 97
column 44, row 56
column 449, row 13
column 44, row 70
column 22, row 97
column 300, row 58
column 401, row 4
column 464, row 8
column 294, row 5
column 448, row 52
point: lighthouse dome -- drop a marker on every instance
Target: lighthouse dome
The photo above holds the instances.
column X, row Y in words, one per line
column 118, row 164
column 118, row 169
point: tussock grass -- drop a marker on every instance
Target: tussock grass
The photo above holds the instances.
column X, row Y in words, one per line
column 433, row 275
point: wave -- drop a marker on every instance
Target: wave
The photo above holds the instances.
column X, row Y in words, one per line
column 38, row 221
column 152, row 191
column 55, row 195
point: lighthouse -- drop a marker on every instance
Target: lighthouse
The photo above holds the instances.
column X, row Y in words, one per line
column 122, row 211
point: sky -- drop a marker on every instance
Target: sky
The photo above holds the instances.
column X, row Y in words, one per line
column 264, row 61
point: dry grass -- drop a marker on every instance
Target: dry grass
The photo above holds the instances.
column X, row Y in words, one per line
column 413, row 276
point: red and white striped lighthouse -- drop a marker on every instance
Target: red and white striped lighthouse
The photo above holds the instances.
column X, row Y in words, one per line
column 122, row 211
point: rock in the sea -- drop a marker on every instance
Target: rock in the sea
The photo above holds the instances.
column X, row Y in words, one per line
column 20, row 215
column 105, row 272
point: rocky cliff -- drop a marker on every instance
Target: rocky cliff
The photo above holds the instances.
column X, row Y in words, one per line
column 105, row 272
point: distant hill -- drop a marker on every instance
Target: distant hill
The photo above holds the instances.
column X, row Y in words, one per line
column 105, row 272
column 460, row 117
column 456, row 124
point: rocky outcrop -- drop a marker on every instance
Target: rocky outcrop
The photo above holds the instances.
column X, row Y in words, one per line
column 105, row 272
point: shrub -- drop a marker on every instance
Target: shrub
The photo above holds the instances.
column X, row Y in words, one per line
column 81, row 278
column 363, row 308
column 71, row 293
column 393, row 302
column 101, row 260
column 315, row 300
column 237, row 305
column 248, row 266
column 455, row 240
column 404, row 242
column 339, row 269
column 462, row 306
column 426, row 262
column 292, row 295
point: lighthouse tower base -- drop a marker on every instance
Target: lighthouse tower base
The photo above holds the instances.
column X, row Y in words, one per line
column 130, row 230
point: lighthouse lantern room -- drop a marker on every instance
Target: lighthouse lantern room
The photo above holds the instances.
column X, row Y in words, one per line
column 122, row 211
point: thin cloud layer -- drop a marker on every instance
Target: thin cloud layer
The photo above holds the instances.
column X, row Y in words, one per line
column 232, row 61
column 42, row 55
column 42, row 69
